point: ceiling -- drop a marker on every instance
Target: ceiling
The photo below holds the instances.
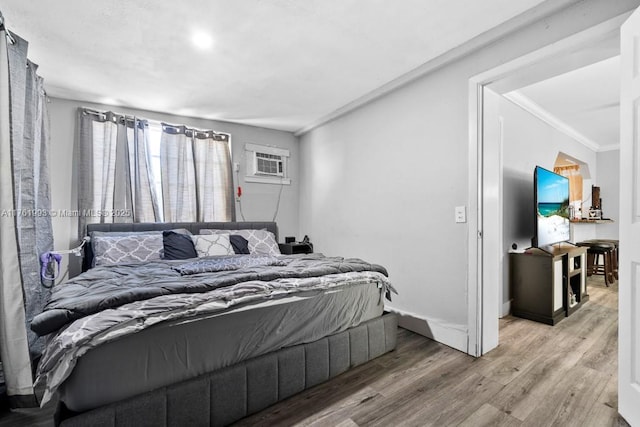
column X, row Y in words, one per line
column 281, row 64
column 583, row 103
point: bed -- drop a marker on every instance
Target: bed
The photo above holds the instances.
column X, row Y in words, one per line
column 213, row 339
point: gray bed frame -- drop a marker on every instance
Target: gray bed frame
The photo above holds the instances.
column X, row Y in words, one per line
column 226, row 395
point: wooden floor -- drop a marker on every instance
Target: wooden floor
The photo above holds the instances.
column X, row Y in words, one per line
column 563, row 375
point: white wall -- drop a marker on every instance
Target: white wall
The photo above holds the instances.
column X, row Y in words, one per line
column 527, row 142
column 258, row 200
column 609, row 183
column 382, row 181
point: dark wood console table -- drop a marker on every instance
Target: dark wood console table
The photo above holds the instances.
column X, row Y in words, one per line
column 548, row 285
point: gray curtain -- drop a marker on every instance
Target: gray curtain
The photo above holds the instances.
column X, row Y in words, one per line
column 197, row 181
column 27, row 232
column 115, row 183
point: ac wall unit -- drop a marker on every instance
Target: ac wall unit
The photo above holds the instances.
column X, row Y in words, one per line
column 268, row 165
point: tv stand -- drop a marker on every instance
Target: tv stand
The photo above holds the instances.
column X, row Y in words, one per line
column 548, row 284
column 555, row 248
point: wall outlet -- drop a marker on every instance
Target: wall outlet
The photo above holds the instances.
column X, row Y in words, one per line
column 461, row 214
column 236, row 167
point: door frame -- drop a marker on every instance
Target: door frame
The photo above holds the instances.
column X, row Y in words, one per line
column 484, row 238
column 628, row 298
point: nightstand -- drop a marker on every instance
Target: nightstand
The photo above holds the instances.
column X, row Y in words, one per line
column 296, row 248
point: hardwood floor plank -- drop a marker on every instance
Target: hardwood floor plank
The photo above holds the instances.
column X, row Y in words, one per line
column 603, row 295
column 521, row 396
column 444, row 359
column 488, row 415
column 415, row 393
column 603, row 412
column 603, row 354
column 569, row 401
column 517, row 358
column 346, row 423
column 325, row 397
column 341, row 411
column 471, row 393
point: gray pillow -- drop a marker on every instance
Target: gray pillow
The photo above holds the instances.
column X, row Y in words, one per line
column 94, row 234
column 260, row 241
column 127, row 249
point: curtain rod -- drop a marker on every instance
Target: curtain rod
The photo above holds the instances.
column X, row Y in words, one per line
column 94, row 112
column 225, row 136
column 196, row 131
column 115, row 114
column 6, row 30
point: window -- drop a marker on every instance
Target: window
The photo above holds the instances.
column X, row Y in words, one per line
column 155, row 133
column 154, row 171
column 577, row 172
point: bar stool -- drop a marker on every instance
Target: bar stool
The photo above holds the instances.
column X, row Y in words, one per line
column 615, row 256
column 594, row 250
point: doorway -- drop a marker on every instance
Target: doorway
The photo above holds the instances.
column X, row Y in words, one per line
column 487, row 247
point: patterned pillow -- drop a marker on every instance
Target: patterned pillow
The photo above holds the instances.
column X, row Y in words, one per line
column 130, row 233
column 133, row 248
column 260, row 241
column 94, row 234
column 217, row 244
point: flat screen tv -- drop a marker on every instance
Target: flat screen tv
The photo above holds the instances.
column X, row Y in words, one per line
column 552, row 223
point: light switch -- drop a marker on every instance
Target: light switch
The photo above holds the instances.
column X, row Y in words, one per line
column 461, row 214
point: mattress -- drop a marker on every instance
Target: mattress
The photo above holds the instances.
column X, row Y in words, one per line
column 173, row 351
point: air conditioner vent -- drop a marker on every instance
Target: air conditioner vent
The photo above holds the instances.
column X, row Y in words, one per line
column 269, row 164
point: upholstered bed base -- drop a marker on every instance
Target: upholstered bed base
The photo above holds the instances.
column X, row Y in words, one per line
column 229, row 394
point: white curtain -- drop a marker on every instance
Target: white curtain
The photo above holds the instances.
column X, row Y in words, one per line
column 117, row 173
column 178, row 175
column 145, row 203
column 25, row 227
column 197, row 180
column 115, row 183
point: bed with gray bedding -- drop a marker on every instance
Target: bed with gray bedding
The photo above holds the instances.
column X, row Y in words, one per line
column 210, row 340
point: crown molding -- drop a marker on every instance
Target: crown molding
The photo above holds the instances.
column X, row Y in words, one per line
column 530, row 106
column 490, row 36
column 611, row 147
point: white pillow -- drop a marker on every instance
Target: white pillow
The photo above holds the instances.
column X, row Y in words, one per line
column 212, row 244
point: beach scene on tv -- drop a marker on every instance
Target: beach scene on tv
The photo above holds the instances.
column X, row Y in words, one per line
column 553, row 208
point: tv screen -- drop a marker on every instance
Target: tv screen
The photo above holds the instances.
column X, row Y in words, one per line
column 552, row 208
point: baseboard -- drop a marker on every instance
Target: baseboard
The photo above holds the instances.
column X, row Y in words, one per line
column 454, row 336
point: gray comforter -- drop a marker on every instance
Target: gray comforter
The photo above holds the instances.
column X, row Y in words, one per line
column 102, row 288
column 109, row 302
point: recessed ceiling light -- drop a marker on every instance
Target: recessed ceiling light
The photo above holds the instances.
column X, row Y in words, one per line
column 201, row 39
